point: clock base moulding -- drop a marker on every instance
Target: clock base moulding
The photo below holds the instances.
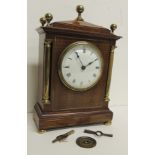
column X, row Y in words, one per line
column 51, row 120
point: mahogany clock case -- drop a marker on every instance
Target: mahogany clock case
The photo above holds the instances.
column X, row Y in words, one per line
column 66, row 107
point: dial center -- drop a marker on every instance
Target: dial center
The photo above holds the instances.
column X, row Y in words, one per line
column 83, row 67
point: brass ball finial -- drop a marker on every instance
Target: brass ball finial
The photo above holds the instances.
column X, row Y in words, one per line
column 79, row 9
column 43, row 21
column 113, row 27
column 48, row 17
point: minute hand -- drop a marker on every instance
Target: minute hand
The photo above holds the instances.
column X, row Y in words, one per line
column 91, row 62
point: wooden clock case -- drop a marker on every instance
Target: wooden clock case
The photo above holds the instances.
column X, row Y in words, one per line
column 57, row 105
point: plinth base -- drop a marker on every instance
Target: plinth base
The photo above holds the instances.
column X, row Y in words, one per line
column 59, row 119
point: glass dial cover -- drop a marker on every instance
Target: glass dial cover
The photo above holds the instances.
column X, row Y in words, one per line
column 80, row 66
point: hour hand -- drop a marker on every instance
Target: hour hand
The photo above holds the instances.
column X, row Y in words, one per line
column 77, row 54
column 83, row 67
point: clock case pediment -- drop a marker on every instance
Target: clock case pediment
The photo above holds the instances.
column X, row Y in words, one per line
column 57, row 105
column 80, row 28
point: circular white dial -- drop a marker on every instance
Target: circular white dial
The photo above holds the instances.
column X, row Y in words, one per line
column 81, row 66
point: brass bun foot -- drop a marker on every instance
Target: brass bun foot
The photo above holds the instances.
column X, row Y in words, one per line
column 41, row 131
column 107, row 123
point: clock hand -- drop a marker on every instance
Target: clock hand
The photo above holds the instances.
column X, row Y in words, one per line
column 82, row 67
column 91, row 62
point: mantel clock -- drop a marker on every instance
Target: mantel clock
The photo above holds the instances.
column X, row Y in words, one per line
column 75, row 66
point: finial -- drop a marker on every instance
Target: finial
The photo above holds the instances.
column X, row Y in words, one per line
column 43, row 21
column 113, row 27
column 48, row 17
column 79, row 9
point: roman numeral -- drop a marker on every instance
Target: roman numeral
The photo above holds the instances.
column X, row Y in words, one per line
column 97, row 67
column 84, row 50
column 81, row 83
column 74, row 80
column 94, row 75
column 70, row 58
column 68, row 74
column 66, row 66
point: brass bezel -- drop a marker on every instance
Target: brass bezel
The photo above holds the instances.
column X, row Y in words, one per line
column 60, row 63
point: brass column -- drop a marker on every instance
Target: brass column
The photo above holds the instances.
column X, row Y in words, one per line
column 46, row 72
column 113, row 27
column 109, row 74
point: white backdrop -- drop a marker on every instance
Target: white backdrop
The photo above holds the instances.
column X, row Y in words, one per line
column 99, row 12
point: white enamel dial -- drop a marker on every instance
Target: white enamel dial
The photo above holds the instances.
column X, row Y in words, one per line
column 81, row 66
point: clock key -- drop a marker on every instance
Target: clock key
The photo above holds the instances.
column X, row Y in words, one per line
column 63, row 136
column 98, row 133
